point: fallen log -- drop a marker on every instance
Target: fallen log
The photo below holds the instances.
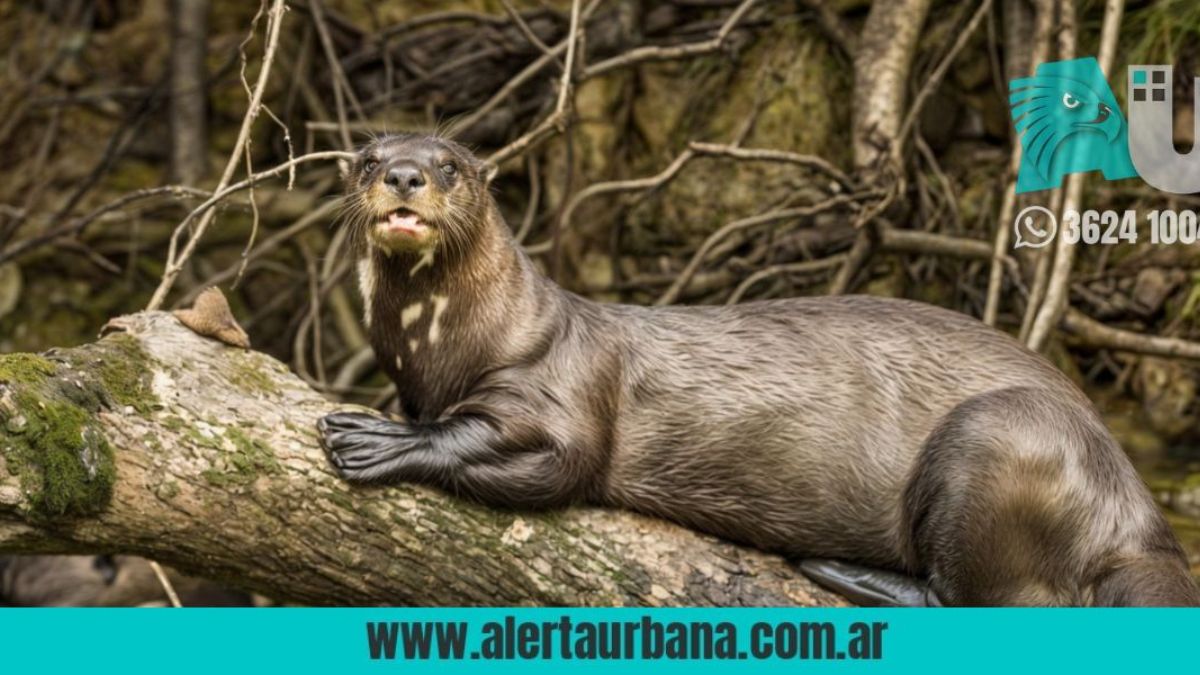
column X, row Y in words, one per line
column 158, row 442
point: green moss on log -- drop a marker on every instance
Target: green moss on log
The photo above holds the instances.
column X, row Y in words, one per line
column 50, row 443
column 50, row 433
column 63, row 461
column 168, row 490
column 249, row 459
column 25, row 369
column 123, row 369
column 245, row 371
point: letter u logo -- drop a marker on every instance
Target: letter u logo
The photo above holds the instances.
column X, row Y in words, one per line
column 1151, row 132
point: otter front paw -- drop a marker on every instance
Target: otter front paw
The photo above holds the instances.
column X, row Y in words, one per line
column 358, row 444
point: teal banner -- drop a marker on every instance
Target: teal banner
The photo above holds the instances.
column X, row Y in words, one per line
column 689, row 641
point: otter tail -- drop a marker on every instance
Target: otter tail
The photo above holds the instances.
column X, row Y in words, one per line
column 1147, row 581
column 869, row 587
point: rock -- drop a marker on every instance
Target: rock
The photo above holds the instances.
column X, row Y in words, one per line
column 1152, row 288
column 1167, row 390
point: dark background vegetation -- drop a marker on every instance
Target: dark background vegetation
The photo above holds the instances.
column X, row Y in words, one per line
column 101, row 100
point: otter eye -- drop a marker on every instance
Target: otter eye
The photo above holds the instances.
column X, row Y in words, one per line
column 449, row 169
column 1070, row 101
column 369, row 165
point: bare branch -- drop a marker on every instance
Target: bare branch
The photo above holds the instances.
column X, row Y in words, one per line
column 672, row 294
column 653, row 53
column 1092, row 333
column 935, row 78
column 175, row 264
column 1060, row 276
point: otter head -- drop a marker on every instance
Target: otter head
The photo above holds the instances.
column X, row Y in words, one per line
column 414, row 193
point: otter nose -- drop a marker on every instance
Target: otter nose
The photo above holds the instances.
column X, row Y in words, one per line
column 405, row 178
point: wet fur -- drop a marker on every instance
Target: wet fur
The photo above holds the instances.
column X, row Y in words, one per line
column 882, row 431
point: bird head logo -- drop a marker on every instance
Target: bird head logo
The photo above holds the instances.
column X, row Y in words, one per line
column 1068, row 121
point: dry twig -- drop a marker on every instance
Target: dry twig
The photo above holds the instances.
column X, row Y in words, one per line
column 175, row 263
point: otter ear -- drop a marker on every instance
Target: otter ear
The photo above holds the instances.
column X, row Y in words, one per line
column 343, row 169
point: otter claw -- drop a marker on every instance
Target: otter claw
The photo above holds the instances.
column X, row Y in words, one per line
column 356, row 442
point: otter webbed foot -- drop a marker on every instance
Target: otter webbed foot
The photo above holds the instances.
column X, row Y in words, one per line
column 367, row 448
column 360, row 444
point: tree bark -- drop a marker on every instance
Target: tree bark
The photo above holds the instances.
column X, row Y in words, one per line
column 189, row 92
column 158, row 442
column 882, row 62
column 881, row 67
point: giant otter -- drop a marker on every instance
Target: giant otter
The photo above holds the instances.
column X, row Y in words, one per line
column 885, row 432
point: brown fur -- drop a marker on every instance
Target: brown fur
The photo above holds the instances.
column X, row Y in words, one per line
column 882, row 431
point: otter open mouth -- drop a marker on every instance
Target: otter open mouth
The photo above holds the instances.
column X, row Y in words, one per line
column 404, row 221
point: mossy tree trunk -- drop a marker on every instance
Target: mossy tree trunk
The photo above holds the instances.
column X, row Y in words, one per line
column 158, row 442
